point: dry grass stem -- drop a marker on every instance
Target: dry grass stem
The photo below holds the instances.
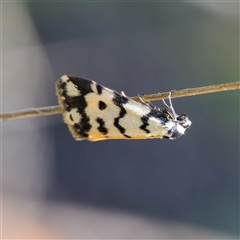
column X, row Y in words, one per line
column 47, row 111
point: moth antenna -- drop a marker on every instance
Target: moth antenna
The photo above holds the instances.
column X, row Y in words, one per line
column 171, row 106
column 165, row 103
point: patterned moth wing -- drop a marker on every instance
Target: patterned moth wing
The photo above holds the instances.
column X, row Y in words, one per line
column 95, row 112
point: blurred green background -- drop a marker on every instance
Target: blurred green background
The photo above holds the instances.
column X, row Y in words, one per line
column 137, row 47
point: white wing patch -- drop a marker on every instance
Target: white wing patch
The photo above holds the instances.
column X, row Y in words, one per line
column 94, row 112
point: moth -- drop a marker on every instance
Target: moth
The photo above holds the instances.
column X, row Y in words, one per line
column 95, row 112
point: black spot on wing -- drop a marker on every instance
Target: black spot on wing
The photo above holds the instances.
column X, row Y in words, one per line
column 99, row 89
column 144, row 120
column 72, row 102
column 166, row 137
column 122, row 113
column 101, row 127
column 63, row 85
column 85, row 125
column 102, row 105
column 125, row 135
column 155, row 113
column 119, row 101
column 82, row 84
column 81, row 129
column 158, row 114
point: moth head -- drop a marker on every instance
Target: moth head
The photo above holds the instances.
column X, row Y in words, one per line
column 183, row 120
column 181, row 123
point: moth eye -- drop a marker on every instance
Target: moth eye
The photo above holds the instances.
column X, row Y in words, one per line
column 184, row 121
column 181, row 117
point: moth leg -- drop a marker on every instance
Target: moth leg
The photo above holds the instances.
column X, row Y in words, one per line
column 169, row 98
column 123, row 93
column 149, row 104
